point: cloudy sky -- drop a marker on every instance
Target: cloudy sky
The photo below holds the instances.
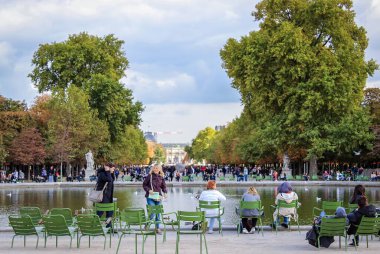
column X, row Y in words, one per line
column 172, row 45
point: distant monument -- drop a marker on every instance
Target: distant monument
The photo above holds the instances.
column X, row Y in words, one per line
column 90, row 165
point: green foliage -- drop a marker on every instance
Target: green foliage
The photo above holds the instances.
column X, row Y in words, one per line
column 202, row 142
column 131, row 148
column 74, row 128
column 11, row 105
column 76, row 60
column 159, row 155
column 372, row 102
column 301, row 77
column 114, row 104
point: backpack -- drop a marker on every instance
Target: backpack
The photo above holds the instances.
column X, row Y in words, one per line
column 312, row 236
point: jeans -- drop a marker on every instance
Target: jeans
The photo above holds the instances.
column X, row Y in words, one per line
column 211, row 222
column 245, row 178
column 152, row 202
column 286, row 220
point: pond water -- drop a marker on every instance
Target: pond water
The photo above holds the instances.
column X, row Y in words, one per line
column 180, row 198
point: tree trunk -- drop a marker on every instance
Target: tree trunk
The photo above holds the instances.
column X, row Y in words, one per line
column 313, row 170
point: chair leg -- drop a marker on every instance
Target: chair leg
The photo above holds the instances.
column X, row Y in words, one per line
column 176, row 244
column 205, row 243
column 118, row 245
column 24, row 240
column 38, row 238
column 200, row 239
column 155, row 244
column 135, row 244
column 13, row 238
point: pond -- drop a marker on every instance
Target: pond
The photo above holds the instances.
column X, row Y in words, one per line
column 180, row 198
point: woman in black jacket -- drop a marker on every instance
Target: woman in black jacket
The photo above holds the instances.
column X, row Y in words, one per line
column 106, row 176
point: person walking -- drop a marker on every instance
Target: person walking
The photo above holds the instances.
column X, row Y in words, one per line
column 106, row 176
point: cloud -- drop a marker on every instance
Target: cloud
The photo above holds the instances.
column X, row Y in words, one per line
column 6, row 52
column 195, row 117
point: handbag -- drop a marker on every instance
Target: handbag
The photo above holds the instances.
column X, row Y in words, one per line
column 96, row 196
column 155, row 195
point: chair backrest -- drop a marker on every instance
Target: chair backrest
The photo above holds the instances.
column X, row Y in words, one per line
column 134, row 217
column 185, row 179
column 250, row 205
column 368, row 226
column 33, row 212
column 89, row 224
column 351, row 207
column 283, row 204
column 105, row 207
column 154, row 209
column 56, row 225
column 185, row 216
column 314, row 177
column 298, row 177
column 333, row 227
column 209, row 204
column 22, row 225
column 65, row 212
column 330, row 206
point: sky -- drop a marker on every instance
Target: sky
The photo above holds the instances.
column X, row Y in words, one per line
column 172, row 46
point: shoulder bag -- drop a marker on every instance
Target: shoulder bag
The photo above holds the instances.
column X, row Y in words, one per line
column 155, row 195
column 95, row 195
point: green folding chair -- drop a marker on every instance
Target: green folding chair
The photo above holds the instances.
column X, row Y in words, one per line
column 204, row 205
column 55, row 225
column 283, row 204
column 328, row 206
column 314, row 178
column 107, row 207
column 89, row 225
column 66, row 213
column 167, row 219
column 367, row 226
column 22, row 226
column 332, row 227
column 137, row 224
column 33, row 212
column 194, row 217
column 251, row 205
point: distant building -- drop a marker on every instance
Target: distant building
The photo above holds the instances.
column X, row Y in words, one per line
column 175, row 152
column 150, row 136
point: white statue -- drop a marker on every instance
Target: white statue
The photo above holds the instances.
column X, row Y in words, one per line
column 90, row 160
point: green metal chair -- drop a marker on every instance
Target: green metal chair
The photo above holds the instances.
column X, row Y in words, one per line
column 259, row 178
column 55, row 225
column 22, row 226
column 136, row 223
column 195, row 217
column 185, row 179
column 328, row 206
column 89, row 225
column 314, row 178
column 33, row 212
column 251, row 205
column 222, row 178
column 351, row 207
column 268, row 178
column 65, row 212
column 332, row 227
column 204, row 205
column 107, row 207
column 298, row 178
column 289, row 178
column 165, row 218
column 283, row 204
column 367, row 226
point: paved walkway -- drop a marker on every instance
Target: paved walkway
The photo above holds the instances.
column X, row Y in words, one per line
column 284, row 242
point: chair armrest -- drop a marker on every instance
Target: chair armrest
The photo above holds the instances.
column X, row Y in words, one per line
column 221, row 209
column 316, row 210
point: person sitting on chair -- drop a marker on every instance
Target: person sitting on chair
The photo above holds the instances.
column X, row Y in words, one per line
column 286, row 194
column 355, row 217
column 249, row 226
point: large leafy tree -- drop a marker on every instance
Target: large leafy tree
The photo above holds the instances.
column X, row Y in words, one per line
column 301, row 76
column 95, row 65
column 73, row 127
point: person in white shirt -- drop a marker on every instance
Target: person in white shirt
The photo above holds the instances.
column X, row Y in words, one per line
column 211, row 194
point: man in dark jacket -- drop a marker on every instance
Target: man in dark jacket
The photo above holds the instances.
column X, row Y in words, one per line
column 355, row 217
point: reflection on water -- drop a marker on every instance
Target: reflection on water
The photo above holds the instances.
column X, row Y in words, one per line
column 180, row 198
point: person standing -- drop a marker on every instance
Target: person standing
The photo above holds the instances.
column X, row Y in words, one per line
column 106, row 176
column 155, row 182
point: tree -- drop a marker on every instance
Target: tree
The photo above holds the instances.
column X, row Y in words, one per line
column 372, row 102
column 302, row 74
column 159, row 154
column 95, row 65
column 74, row 128
column 28, row 148
column 201, row 143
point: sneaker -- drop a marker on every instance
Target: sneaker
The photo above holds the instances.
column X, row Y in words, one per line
column 353, row 244
column 210, row 232
column 245, row 231
column 285, row 225
column 158, row 231
column 252, row 231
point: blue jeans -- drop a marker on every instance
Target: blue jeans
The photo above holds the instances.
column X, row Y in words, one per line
column 286, row 220
column 211, row 222
column 152, row 202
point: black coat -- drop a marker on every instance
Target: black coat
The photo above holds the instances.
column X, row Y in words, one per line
column 103, row 178
column 356, row 216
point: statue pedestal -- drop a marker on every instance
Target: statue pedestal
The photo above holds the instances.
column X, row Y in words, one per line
column 287, row 171
column 89, row 172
